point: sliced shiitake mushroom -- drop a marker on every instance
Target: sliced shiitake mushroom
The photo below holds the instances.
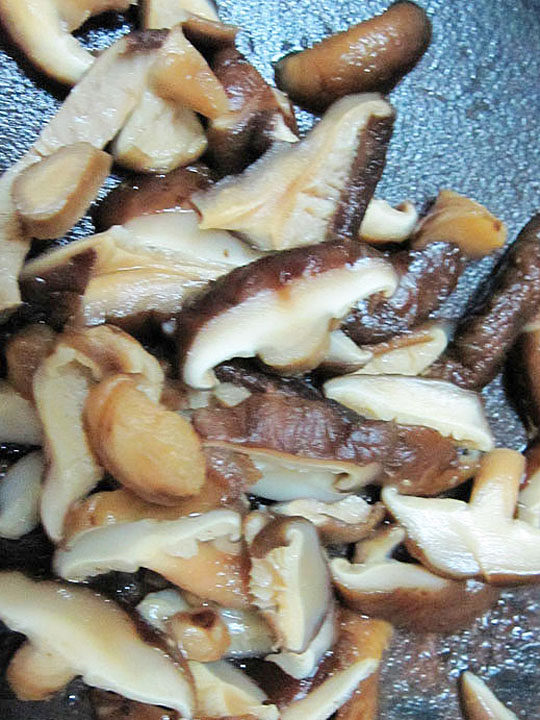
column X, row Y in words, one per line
column 310, row 191
column 150, row 450
column 383, row 223
column 484, row 336
column 93, row 637
column 42, row 30
column 529, row 497
column 258, row 116
column 280, row 307
column 20, row 491
column 289, row 581
column 110, row 706
column 426, row 278
column 406, row 594
column 200, row 554
column 452, row 411
column 51, row 195
column 37, row 674
column 25, row 351
column 343, row 355
column 200, row 634
column 372, row 55
column 458, row 219
column 418, row 459
column 475, row 539
column 166, row 13
column 478, row 702
column 159, row 136
column 19, row 422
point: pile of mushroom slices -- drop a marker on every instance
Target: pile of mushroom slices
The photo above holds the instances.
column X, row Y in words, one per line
column 236, row 391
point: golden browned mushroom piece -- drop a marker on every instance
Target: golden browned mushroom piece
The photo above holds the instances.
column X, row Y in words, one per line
column 25, row 351
column 150, row 450
column 478, row 702
column 475, row 539
column 43, row 32
column 523, row 371
column 200, row 554
column 458, row 219
column 314, row 190
column 200, row 634
column 405, row 593
column 373, row 55
column 51, row 195
column 87, row 635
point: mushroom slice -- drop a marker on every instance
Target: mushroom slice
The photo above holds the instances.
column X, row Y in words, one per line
column 383, row 223
column 302, row 665
column 529, row 497
column 258, row 117
column 280, row 308
column 42, row 30
column 19, row 422
column 249, row 634
column 458, row 219
column 450, row 410
column 405, row 593
column 199, row 633
column 110, row 706
column 478, row 702
column 159, row 136
column 344, row 521
column 199, row 554
column 25, row 351
column 149, row 265
column 409, row 354
column 478, row 539
column 35, row 674
column 166, row 13
column 344, row 355
column 152, row 451
column 289, row 581
column 61, row 386
column 95, row 638
column 310, row 191
column 52, row 194
column 181, row 74
column 20, row 490
column 225, row 691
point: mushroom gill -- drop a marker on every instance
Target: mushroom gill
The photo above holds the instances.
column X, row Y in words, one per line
column 310, row 191
column 95, row 638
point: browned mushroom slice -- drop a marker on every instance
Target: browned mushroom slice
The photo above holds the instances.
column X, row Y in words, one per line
column 383, row 223
column 95, row 638
column 529, row 497
column 280, row 308
column 159, row 136
column 418, row 459
column 310, row 191
column 289, row 581
column 61, row 386
column 152, row 451
column 19, row 422
column 458, row 219
column 404, row 593
column 200, row 554
column 224, row 691
column 343, row 355
column 426, row 278
column 25, row 351
column 110, row 706
column 148, row 194
column 51, row 195
column 182, row 75
column 147, row 266
column 200, row 634
column 452, row 411
column 20, row 491
column 344, row 521
column 43, row 30
column 484, row 337
column 34, row 674
column 475, row 539
column 478, row 702
column 408, row 354
column 522, row 372
column 166, row 13
column 257, row 118
column 373, row 55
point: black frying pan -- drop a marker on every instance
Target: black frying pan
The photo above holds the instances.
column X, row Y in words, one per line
column 468, row 119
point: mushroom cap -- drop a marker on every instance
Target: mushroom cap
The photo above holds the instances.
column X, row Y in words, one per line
column 289, row 581
column 20, row 491
column 440, row 405
column 96, row 638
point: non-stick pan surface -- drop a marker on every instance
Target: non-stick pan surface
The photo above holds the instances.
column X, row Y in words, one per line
column 468, row 119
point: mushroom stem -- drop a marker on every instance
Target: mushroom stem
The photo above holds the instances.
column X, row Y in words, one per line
column 35, row 674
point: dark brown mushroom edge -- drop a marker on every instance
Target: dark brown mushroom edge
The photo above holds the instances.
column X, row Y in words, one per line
column 240, row 443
